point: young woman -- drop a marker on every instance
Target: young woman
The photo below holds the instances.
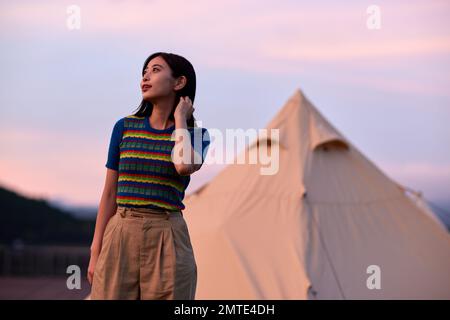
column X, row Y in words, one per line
column 141, row 247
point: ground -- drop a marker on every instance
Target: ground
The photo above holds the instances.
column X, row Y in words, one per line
column 41, row 288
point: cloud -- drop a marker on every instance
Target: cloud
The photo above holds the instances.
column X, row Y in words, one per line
column 416, row 85
column 398, row 48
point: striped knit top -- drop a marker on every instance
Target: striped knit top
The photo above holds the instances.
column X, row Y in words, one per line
column 142, row 157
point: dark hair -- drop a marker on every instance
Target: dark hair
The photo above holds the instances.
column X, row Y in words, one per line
column 179, row 66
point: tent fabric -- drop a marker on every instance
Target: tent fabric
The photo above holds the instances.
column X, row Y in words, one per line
column 315, row 228
column 417, row 198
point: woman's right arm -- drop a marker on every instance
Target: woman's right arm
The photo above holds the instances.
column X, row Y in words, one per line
column 107, row 208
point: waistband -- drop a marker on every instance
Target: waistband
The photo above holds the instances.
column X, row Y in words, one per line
column 146, row 212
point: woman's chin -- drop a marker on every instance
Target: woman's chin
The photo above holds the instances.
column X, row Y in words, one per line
column 147, row 97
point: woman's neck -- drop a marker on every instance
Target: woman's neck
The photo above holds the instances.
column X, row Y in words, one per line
column 159, row 118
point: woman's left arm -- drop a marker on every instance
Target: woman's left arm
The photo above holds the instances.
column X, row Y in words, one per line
column 184, row 165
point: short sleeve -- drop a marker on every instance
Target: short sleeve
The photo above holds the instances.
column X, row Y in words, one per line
column 200, row 141
column 114, row 146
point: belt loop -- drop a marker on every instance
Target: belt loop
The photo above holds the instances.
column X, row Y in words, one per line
column 122, row 212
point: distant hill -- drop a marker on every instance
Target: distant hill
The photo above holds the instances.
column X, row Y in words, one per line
column 442, row 211
column 31, row 221
column 78, row 211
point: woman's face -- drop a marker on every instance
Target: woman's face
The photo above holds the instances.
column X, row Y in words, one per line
column 157, row 80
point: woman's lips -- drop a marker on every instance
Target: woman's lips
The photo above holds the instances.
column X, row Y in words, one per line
column 145, row 88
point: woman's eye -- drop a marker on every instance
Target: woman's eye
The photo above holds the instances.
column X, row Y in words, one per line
column 154, row 69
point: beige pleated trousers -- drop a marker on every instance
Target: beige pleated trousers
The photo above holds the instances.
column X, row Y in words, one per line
column 146, row 254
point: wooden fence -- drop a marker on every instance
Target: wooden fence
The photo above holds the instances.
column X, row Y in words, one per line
column 41, row 260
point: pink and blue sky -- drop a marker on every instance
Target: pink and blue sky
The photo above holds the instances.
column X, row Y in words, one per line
column 387, row 90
